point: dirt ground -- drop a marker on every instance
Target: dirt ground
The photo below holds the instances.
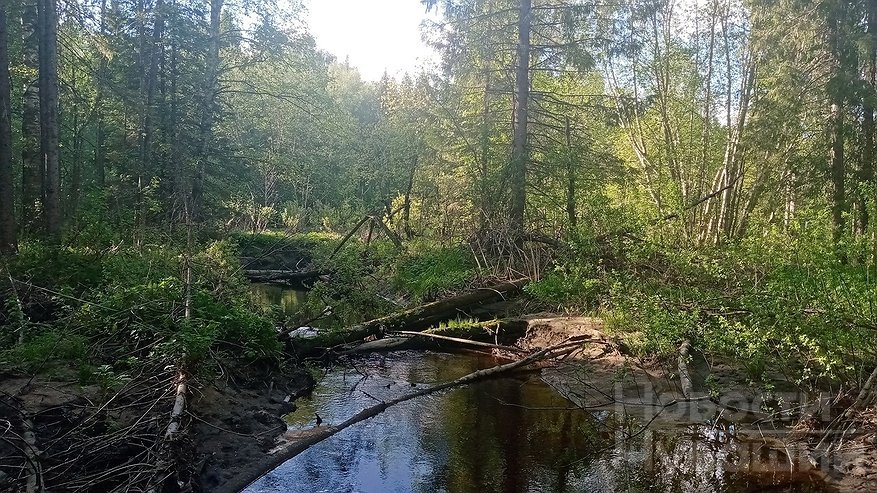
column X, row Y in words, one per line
column 234, row 426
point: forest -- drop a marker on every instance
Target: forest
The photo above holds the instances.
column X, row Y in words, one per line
column 691, row 182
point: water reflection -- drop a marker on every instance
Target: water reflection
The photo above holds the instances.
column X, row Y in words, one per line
column 269, row 295
column 510, row 435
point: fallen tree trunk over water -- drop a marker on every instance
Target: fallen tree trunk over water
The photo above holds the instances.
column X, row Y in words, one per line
column 287, row 451
column 290, row 276
column 417, row 318
column 463, row 342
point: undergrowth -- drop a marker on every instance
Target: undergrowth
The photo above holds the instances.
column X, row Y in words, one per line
column 91, row 312
column 768, row 303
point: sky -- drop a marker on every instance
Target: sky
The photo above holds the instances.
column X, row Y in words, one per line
column 375, row 35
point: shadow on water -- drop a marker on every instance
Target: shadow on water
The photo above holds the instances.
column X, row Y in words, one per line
column 507, row 435
column 288, row 300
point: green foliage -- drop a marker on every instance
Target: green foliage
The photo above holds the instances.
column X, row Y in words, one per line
column 772, row 303
column 70, row 270
column 131, row 303
column 430, row 272
column 47, row 352
column 569, row 286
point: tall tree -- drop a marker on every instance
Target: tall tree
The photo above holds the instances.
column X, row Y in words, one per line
column 32, row 169
column 520, row 156
column 49, row 118
column 8, row 240
column 866, row 169
column 208, row 107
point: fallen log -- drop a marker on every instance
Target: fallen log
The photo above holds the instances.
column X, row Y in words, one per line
column 682, row 364
column 463, row 342
column 291, row 276
column 284, row 452
column 413, row 319
column 173, row 426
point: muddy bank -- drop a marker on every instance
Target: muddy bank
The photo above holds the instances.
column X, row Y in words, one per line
column 61, row 436
column 235, row 424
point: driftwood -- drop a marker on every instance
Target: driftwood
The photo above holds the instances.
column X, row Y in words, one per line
column 349, row 235
column 32, row 453
column 417, row 318
column 287, row 451
column 675, row 215
column 397, row 242
column 373, row 221
column 378, row 345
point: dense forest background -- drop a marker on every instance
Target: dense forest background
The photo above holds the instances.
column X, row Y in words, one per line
column 738, row 119
column 697, row 172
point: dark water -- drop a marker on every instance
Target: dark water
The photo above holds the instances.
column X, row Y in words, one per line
column 272, row 295
column 510, row 435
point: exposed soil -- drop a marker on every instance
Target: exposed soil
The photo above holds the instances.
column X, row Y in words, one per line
column 80, row 433
column 855, row 461
column 235, row 425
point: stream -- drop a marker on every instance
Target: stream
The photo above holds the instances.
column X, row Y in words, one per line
column 286, row 299
column 506, row 435
column 510, row 435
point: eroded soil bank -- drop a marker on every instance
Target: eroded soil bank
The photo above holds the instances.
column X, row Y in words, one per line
column 92, row 439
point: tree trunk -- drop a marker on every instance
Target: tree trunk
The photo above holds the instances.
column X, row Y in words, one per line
column 406, row 206
column 32, row 171
column 100, row 82
column 484, row 194
column 836, row 161
column 207, row 109
column 152, row 48
column 8, row 239
column 838, row 195
column 570, row 177
column 866, row 172
column 518, row 174
column 49, row 145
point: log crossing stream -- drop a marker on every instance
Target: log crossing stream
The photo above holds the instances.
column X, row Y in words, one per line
column 506, row 435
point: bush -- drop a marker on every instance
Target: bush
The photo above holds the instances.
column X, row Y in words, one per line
column 432, row 272
column 568, row 286
column 130, row 303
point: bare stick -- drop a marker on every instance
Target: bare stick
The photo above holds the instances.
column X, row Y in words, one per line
column 684, row 376
column 35, row 472
column 179, row 406
column 348, row 235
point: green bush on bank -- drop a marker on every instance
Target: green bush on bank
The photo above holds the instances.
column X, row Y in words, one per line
column 767, row 302
column 429, row 271
column 89, row 309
